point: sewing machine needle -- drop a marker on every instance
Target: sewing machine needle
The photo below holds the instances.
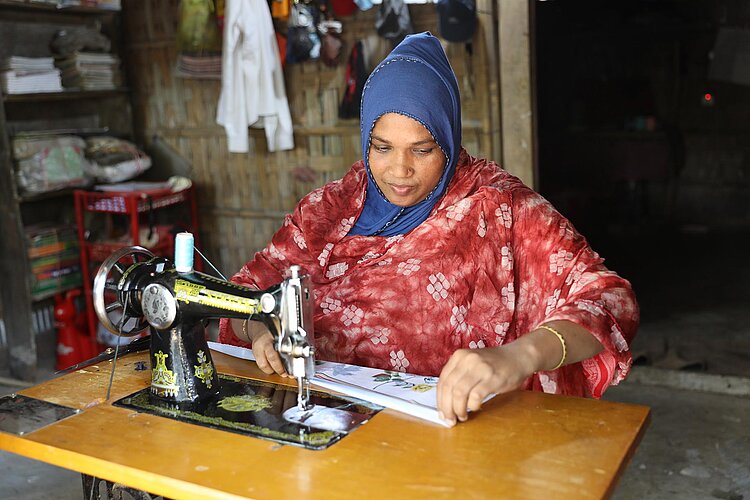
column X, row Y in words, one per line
column 303, row 393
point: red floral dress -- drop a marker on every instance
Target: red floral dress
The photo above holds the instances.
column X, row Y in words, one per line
column 492, row 262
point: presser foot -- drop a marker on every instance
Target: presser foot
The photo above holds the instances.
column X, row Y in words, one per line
column 326, row 418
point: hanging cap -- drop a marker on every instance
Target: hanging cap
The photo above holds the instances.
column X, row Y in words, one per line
column 457, row 19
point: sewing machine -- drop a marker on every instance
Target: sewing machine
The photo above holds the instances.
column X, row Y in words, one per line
column 175, row 300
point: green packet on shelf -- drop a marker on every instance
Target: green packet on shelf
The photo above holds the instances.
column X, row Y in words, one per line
column 59, row 284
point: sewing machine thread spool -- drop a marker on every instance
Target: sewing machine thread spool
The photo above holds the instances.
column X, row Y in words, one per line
column 183, row 252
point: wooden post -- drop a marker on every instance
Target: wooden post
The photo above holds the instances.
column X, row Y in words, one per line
column 516, row 92
column 15, row 290
column 487, row 14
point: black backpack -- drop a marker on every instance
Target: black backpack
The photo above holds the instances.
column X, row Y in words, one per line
column 355, row 77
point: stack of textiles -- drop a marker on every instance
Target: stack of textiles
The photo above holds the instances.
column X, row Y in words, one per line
column 199, row 67
column 54, row 257
column 100, row 4
column 29, row 75
column 90, row 71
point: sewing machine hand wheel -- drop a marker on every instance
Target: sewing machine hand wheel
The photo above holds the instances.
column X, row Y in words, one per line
column 108, row 298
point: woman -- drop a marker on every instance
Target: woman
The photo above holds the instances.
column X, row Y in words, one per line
column 427, row 260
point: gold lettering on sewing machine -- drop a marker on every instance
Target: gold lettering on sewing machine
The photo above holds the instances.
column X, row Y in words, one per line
column 190, row 292
column 163, row 381
column 186, row 291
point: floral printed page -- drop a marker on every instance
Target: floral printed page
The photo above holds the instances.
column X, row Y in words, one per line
column 415, row 395
column 415, row 389
column 412, row 394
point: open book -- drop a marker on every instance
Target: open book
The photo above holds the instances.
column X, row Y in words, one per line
column 415, row 395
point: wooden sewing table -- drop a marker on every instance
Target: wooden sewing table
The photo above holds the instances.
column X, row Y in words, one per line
column 521, row 445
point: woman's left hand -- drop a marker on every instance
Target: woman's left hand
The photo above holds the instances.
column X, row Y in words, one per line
column 470, row 375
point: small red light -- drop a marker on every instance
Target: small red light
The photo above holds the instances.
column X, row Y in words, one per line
column 708, row 97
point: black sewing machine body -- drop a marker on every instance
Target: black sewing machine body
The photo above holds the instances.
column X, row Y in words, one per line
column 150, row 292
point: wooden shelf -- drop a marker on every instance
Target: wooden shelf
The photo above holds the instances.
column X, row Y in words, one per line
column 38, row 297
column 66, row 95
column 27, row 28
column 28, row 198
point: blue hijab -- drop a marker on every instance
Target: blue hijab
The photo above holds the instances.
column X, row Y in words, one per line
column 415, row 80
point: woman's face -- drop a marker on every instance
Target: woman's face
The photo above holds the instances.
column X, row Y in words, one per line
column 405, row 160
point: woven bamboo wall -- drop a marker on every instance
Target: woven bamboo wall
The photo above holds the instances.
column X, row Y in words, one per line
column 243, row 197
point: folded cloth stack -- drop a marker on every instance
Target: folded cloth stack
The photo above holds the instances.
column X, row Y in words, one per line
column 199, row 67
column 25, row 75
column 90, row 71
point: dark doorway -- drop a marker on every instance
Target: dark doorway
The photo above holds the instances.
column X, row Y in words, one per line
column 644, row 143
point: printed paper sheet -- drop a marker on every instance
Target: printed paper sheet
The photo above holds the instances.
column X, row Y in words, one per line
column 408, row 393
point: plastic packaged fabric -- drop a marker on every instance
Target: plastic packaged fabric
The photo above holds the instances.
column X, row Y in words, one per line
column 114, row 160
column 49, row 163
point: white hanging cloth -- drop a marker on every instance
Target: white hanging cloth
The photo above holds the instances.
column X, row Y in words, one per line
column 252, row 81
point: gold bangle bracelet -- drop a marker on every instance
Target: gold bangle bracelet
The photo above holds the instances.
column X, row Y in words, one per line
column 244, row 331
column 562, row 343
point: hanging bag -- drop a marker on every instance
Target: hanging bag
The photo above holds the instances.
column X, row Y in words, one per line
column 355, row 78
column 393, row 21
column 302, row 40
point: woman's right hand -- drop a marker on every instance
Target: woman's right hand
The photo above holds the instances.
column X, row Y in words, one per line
column 266, row 356
column 257, row 334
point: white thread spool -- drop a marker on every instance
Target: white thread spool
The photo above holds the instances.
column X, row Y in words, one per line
column 183, row 252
